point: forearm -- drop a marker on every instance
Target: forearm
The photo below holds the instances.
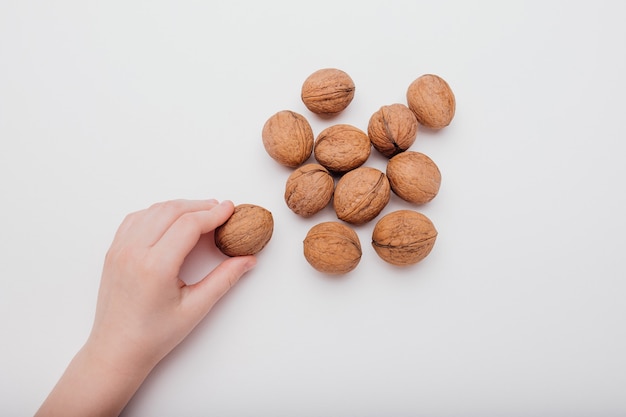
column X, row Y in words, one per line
column 93, row 386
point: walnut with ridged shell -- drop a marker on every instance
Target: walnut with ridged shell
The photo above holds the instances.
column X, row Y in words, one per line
column 342, row 147
column 414, row 177
column 361, row 194
column 432, row 100
column 309, row 189
column 403, row 237
column 288, row 138
column 327, row 91
column 246, row 232
column 332, row 248
column 392, row 129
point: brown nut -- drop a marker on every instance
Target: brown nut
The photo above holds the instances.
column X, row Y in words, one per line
column 392, row 129
column 246, row 231
column 309, row 189
column 341, row 148
column 403, row 237
column 332, row 248
column 327, row 91
column 361, row 194
column 288, row 138
column 414, row 177
column 432, row 101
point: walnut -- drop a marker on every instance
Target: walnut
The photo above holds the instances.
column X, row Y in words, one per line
column 403, row 237
column 309, row 189
column 432, row 101
column 392, row 129
column 361, row 194
column 327, row 91
column 246, row 231
column 332, row 248
column 288, row 138
column 341, row 148
column 414, row 177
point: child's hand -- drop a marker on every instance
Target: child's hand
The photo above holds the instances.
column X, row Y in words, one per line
column 144, row 309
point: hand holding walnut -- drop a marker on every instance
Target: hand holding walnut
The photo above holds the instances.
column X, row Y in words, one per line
column 143, row 309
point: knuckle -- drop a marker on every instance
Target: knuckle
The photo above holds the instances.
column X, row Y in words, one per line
column 156, row 206
column 188, row 221
column 128, row 220
column 168, row 206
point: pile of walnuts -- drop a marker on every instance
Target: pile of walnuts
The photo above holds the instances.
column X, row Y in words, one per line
column 360, row 193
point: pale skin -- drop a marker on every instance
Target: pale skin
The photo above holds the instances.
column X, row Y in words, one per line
column 143, row 309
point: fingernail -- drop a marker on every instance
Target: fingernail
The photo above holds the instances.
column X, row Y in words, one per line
column 212, row 200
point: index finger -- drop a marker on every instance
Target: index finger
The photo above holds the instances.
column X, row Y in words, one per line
column 184, row 233
column 150, row 225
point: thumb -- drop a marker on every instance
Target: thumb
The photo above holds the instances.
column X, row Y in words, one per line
column 205, row 293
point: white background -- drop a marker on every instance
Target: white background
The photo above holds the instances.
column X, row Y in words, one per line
column 108, row 107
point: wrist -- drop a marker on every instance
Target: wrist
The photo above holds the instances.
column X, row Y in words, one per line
column 121, row 358
column 97, row 382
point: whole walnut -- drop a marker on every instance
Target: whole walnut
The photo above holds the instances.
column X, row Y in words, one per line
column 332, row 248
column 327, row 91
column 309, row 189
column 392, row 129
column 403, row 237
column 432, row 101
column 414, row 177
column 246, row 231
column 341, row 148
column 288, row 138
column 361, row 194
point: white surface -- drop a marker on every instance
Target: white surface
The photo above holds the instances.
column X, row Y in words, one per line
column 519, row 310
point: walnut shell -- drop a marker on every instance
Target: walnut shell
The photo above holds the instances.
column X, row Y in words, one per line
column 309, row 189
column 327, row 91
column 392, row 129
column 403, row 237
column 432, row 101
column 342, row 148
column 288, row 138
column 246, row 231
column 332, row 248
column 414, row 177
column 361, row 194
